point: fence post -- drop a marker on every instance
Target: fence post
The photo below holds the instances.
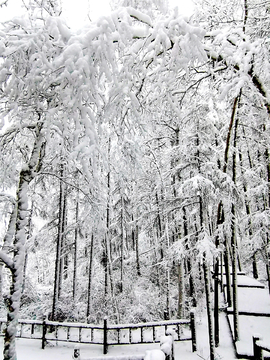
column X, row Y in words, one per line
column 257, row 351
column 44, row 330
column 105, row 340
column 76, row 354
column 193, row 331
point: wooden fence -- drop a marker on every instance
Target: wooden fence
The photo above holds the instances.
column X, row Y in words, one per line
column 143, row 333
column 259, row 347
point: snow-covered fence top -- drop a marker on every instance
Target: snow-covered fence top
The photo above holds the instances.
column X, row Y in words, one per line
column 108, row 334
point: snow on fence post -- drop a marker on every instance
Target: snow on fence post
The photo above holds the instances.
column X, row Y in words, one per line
column 193, row 331
column 257, row 350
column 105, row 340
column 44, row 330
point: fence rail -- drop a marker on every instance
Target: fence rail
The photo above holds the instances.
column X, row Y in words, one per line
column 259, row 347
column 108, row 334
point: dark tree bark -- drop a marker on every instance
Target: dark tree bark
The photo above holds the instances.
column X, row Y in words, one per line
column 138, row 267
column 74, row 285
column 59, row 243
column 64, row 253
column 234, row 276
column 91, row 253
column 248, row 212
column 209, row 312
column 233, row 237
column 227, row 273
column 188, row 262
column 220, row 220
column 181, row 290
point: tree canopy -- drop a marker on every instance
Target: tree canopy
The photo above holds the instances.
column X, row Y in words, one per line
column 134, row 145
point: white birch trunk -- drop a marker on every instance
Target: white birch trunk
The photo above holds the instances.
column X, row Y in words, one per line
column 16, row 263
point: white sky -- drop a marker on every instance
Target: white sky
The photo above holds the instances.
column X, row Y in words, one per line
column 76, row 11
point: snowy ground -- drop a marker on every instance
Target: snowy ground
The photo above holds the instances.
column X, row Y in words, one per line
column 31, row 349
column 254, row 300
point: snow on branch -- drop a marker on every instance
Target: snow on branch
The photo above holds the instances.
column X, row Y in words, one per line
column 6, row 260
column 206, row 247
column 240, row 53
column 7, row 197
column 139, row 16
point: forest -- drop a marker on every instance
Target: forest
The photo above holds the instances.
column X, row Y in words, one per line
column 134, row 159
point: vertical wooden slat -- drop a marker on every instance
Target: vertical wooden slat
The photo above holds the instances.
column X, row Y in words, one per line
column 105, row 340
column 130, row 336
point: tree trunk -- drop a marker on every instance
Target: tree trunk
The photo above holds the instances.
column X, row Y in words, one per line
column 234, row 276
column 220, row 220
column 254, row 266
column 122, row 247
column 29, row 231
column 181, row 290
column 106, row 239
column 137, row 250
column 63, row 250
column 208, row 307
column 57, row 271
column 188, row 261
column 250, row 232
column 90, row 278
column 74, row 287
column 228, row 274
column 268, row 274
column 27, row 174
column 233, row 239
column 1, row 280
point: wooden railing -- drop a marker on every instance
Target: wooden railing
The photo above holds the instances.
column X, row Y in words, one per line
column 259, row 347
column 143, row 333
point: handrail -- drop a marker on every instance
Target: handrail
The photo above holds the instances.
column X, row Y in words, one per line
column 258, row 347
